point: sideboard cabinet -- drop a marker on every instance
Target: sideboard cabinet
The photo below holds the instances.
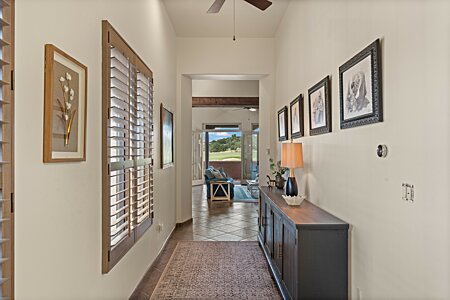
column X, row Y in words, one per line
column 306, row 247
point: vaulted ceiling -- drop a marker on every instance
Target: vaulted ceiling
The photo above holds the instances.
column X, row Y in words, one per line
column 190, row 19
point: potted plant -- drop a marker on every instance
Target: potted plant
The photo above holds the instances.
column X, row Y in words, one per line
column 278, row 171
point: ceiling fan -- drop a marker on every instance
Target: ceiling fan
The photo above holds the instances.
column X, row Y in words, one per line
column 217, row 5
column 249, row 108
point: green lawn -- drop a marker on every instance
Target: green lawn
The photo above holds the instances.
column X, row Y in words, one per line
column 225, row 155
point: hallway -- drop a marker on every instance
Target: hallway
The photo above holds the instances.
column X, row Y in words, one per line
column 211, row 222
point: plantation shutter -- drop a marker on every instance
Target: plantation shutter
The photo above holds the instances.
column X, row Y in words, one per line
column 7, row 150
column 127, row 147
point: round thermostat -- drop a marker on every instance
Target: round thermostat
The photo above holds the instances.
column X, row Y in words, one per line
column 382, row 151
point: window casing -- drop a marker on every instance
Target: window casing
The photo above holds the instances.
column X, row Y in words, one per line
column 127, row 147
column 6, row 149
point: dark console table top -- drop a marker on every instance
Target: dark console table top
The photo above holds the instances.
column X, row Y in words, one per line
column 305, row 215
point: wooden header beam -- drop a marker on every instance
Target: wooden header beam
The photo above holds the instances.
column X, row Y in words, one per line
column 225, row 101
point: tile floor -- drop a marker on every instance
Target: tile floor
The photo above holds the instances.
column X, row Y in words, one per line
column 211, row 222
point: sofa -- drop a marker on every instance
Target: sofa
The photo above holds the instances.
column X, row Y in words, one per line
column 211, row 175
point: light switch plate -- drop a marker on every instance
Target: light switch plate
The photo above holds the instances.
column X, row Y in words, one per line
column 408, row 192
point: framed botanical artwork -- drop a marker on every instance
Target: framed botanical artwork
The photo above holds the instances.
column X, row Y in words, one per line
column 319, row 98
column 360, row 87
column 283, row 124
column 167, row 144
column 296, row 117
column 65, row 101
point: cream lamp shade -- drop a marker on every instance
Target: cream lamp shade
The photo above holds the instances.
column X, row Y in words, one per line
column 292, row 155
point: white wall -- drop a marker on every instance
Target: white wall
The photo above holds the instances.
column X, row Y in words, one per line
column 225, row 88
column 399, row 250
column 222, row 56
column 58, row 206
column 223, row 115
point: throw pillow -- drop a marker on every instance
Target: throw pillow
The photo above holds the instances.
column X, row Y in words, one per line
column 217, row 173
column 209, row 174
column 222, row 171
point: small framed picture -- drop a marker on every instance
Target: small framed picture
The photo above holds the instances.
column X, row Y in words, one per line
column 65, row 101
column 296, row 117
column 360, row 88
column 320, row 107
column 167, row 145
column 283, row 124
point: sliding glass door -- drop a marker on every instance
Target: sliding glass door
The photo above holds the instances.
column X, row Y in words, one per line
column 223, row 148
column 250, row 161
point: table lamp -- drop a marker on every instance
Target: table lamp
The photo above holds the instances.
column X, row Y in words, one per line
column 291, row 157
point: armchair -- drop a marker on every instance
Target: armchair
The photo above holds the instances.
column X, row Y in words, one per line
column 220, row 193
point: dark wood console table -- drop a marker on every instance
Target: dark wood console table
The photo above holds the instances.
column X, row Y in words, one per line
column 306, row 247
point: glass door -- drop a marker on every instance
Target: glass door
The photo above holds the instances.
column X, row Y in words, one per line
column 255, row 151
column 250, row 161
column 198, row 157
column 224, row 148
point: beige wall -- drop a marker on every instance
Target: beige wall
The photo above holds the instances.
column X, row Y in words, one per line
column 58, row 206
column 225, row 88
column 221, row 56
column 399, row 250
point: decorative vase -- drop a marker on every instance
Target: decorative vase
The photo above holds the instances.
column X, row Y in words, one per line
column 279, row 182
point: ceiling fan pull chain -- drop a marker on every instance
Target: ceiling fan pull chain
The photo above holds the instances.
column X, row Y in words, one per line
column 234, row 20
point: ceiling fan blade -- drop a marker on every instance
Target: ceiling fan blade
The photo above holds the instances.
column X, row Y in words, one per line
column 215, row 7
column 261, row 4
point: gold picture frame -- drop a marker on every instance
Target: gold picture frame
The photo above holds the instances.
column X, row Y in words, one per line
column 65, row 107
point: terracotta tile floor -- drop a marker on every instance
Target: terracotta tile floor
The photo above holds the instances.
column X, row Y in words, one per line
column 211, row 222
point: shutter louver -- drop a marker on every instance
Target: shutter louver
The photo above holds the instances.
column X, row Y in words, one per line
column 128, row 147
column 6, row 151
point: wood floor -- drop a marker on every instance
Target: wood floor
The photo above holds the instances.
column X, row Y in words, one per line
column 211, row 222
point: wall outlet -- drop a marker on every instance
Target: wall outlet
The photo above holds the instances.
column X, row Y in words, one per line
column 160, row 227
column 408, row 192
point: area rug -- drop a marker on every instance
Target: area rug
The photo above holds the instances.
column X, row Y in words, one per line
column 241, row 194
column 216, row 270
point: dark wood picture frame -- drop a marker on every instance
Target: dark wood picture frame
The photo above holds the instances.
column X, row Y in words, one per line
column 283, row 124
column 323, row 85
column 298, row 117
column 165, row 112
column 49, row 106
column 373, row 104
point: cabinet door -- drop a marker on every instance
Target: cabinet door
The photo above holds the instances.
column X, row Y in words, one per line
column 278, row 242
column 262, row 218
column 290, row 259
column 269, row 230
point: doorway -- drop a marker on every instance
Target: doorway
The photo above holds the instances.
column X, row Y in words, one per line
column 223, row 148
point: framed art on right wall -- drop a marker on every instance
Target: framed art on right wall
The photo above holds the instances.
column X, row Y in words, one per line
column 360, row 88
column 320, row 107
column 283, row 124
column 296, row 116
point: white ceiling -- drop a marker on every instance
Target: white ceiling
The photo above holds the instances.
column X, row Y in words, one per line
column 190, row 19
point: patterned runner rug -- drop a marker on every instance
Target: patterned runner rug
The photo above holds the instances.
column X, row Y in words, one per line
column 216, row 270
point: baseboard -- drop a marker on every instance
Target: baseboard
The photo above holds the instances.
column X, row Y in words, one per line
column 185, row 223
column 157, row 256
